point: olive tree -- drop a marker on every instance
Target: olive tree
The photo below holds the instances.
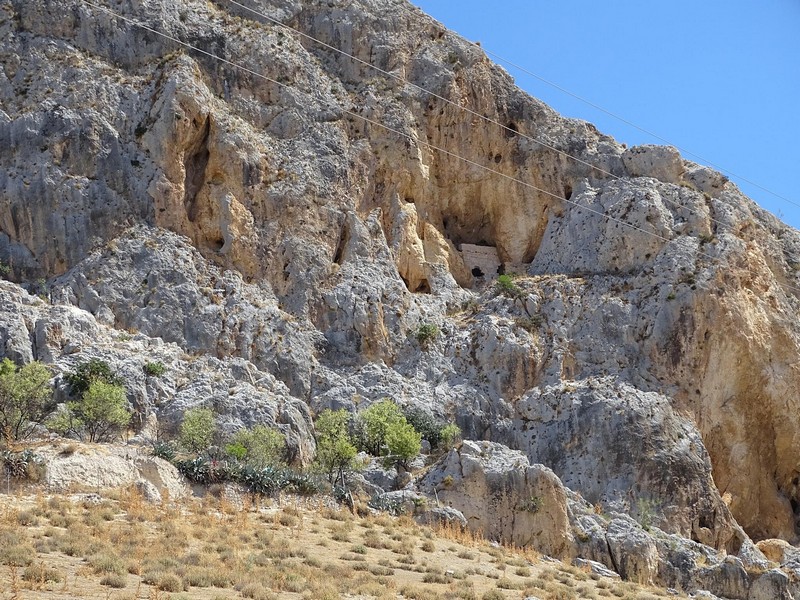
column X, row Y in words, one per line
column 26, row 399
column 335, row 449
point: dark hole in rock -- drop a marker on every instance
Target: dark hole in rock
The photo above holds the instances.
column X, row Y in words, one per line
column 423, row 288
column 567, row 191
column 216, row 244
column 476, row 272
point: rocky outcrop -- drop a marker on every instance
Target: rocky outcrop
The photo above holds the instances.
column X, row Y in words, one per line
column 278, row 253
column 504, row 497
column 95, row 468
column 240, row 394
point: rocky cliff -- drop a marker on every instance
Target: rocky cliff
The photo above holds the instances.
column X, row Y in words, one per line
column 277, row 234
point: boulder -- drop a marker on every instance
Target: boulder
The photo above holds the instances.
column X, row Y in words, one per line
column 633, row 552
column 503, row 497
column 101, row 466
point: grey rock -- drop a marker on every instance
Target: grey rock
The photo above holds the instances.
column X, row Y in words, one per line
column 772, row 585
column 633, row 552
column 148, row 491
column 596, row 568
column 376, row 474
column 278, row 255
column 441, row 516
column 659, row 162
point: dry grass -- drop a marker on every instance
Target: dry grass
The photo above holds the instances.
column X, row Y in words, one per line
column 124, row 549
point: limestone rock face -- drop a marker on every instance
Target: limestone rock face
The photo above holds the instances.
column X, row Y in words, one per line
column 627, row 450
column 277, row 242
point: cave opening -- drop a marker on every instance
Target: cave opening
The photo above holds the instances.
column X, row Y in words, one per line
column 216, row 243
column 476, row 272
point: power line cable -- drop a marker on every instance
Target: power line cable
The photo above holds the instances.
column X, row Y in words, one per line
column 408, row 136
column 635, row 126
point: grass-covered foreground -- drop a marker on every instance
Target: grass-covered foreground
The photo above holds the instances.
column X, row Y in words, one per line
column 118, row 547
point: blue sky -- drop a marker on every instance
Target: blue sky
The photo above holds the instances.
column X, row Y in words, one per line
column 719, row 79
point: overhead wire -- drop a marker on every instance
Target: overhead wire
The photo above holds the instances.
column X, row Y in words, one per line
column 405, row 135
column 637, row 127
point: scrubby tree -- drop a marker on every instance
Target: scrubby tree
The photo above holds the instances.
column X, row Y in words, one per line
column 26, row 399
column 100, row 415
column 335, row 449
column 373, row 422
column 258, row 447
column 197, row 430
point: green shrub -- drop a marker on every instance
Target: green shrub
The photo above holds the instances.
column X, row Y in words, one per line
column 26, row 399
column 335, row 449
column 505, row 285
column 154, row 369
column 236, row 451
column 403, row 442
column 263, row 446
column 426, row 334
column 197, row 430
column 89, row 372
column 423, row 421
column 449, row 435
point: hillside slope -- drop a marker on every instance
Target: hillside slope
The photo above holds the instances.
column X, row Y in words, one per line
column 287, row 245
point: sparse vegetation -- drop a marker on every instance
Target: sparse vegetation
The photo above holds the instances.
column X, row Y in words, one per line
column 646, row 509
column 154, row 369
column 207, row 549
column 506, row 286
column 449, row 436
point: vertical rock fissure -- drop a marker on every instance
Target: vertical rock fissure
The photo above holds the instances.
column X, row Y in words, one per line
column 195, row 165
